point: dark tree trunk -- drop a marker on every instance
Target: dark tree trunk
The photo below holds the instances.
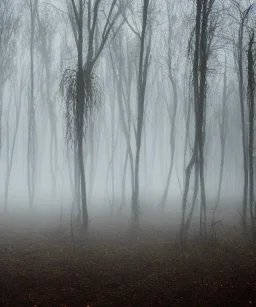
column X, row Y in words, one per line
column 201, row 52
column 251, row 98
column 142, row 80
column 81, row 79
column 241, row 95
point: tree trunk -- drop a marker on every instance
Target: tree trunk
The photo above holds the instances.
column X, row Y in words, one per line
column 241, row 96
column 223, row 133
column 172, row 141
column 142, row 80
column 31, row 155
column 251, row 98
column 10, row 158
column 81, row 79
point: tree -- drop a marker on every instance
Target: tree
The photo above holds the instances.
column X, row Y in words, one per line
column 203, row 33
column 8, row 30
column 123, row 76
column 79, row 87
column 251, row 60
column 240, row 74
column 144, row 60
column 45, row 45
column 171, row 111
column 31, row 149
column 223, row 121
column 17, row 98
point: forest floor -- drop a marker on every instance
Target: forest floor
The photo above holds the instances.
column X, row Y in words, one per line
column 112, row 267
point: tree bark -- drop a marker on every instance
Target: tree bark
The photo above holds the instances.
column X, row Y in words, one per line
column 142, row 80
column 251, row 98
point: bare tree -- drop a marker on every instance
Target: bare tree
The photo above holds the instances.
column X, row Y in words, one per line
column 144, row 60
column 251, row 60
column 46, row 32
column 17, row 98
column 240, row 73
column 203, row 33
column 31, row 149
column 123, row 75
column 8, row 31
column 172, row 111
column 79, row 86
column 223, row 121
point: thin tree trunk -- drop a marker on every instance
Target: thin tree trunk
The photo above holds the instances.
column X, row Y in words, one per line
column 196, row 105
column 10, row 158
column 202, row 110
column 223, row 133
column 126, row 124
column 77, row 194
column 123, row 200
column 185, row 193
column 172, row 141
column 195, row 193
column 53, row 129
column 241, row 95
column 92, row 159
column 31, row 156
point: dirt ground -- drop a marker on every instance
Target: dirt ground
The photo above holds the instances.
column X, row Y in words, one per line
column 112, row 267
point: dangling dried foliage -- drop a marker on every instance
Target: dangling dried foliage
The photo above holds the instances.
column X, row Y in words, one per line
column 68, row 88
column 92, row 95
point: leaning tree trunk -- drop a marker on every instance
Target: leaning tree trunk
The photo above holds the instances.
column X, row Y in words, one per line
column 53, row 141
column 172, row 141
column 197, row 125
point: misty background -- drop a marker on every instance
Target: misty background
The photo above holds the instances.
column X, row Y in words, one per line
column 44, row 30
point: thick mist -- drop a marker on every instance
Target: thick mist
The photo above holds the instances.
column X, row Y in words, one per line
column 105, row 144
column 127, row 153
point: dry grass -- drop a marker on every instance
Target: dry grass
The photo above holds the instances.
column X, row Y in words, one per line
column 112, row 267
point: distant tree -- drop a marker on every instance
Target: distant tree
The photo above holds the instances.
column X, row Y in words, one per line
column 171, row 63
column 45, row 39
column 121, row 62
column 8, row 30
column 31, row 149
column 222, row 124
column 18, row 92
column 143, row 66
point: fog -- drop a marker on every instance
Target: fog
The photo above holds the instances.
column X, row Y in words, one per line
column 127, row 152
column 105, row 144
